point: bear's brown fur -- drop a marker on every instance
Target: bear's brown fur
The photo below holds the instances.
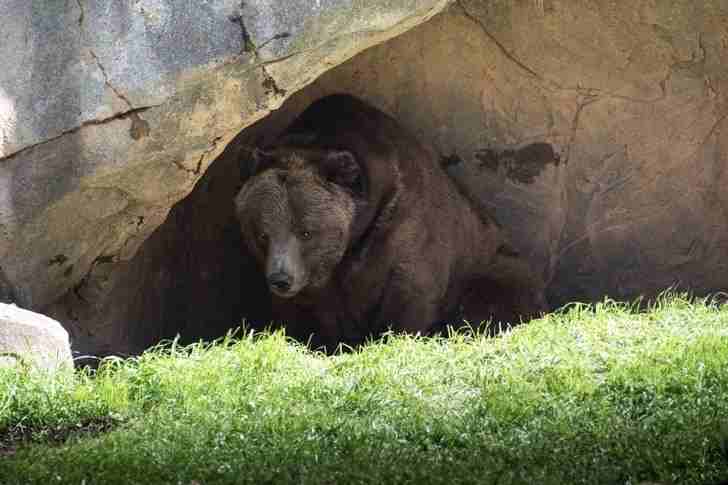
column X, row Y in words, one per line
column 359, row 229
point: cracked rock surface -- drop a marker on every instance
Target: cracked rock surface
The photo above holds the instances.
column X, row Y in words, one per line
column 595, row 131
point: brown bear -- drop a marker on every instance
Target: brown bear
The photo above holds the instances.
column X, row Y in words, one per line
column 359, row 229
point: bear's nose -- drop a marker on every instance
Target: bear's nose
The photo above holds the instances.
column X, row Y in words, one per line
column 280, row 281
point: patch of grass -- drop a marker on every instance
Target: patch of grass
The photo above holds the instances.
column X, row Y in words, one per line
column 591, row 394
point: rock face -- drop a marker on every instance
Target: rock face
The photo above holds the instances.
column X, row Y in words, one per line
column 29, row 337
column 595, row 131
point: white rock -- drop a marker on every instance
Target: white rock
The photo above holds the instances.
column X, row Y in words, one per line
column 36, row 338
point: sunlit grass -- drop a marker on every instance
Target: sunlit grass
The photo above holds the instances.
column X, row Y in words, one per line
column 592, row 394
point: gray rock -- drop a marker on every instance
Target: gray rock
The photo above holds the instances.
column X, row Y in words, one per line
column 31, row 338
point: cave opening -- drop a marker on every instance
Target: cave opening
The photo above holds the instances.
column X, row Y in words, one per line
column 206, row 281
column 200, row 282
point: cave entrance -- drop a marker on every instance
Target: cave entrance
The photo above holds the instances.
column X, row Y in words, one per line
column 199, row 280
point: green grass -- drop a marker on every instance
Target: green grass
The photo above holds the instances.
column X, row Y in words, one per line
column 593, row 394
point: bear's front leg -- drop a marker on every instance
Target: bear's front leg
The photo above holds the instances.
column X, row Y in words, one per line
column 411, row 303
column 300, row 323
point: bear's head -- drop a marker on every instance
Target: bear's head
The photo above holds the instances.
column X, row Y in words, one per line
column 296, row 215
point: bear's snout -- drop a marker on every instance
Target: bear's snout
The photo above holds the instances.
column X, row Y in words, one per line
column 284, row 269
column 280, row 281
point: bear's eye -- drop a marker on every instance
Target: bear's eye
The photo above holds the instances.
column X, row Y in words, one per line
column 305, row 235
column 263, row 238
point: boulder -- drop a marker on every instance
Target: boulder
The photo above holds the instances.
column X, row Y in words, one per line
column 32, row 338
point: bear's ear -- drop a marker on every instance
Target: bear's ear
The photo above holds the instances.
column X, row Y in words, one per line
column 260, row 160
column 341, row 168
